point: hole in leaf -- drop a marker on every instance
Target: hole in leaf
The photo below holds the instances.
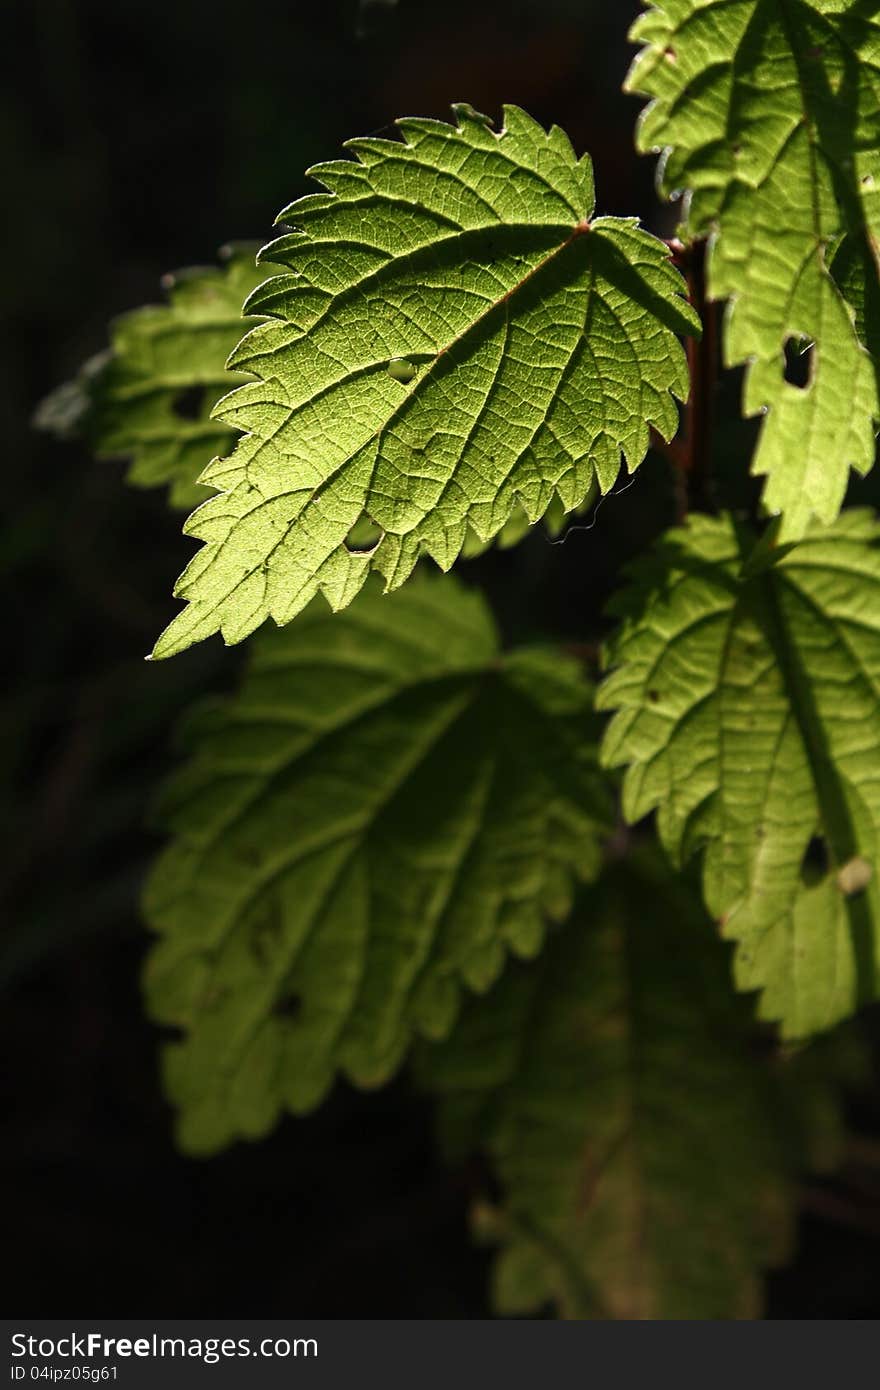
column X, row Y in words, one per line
column 401, row 370
column 363, row 537
column 670, row 55
column 187, row 405
column 289, row 1007
column 798, row 362
column 814, row 865
column 171, row 1034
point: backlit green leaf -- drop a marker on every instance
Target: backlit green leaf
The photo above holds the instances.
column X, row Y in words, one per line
column 769, row 115
column 645, row 1151
column 748, row 715
column 387, row 808
column 453, row 339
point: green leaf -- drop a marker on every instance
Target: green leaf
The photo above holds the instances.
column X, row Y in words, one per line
column 387, row 807
column 644, row 1151
column 543, row 344
column 365, row 534
column 150, row 397
column 769, row 116
column 555, row 521
column 748, row 704
column 855, row 276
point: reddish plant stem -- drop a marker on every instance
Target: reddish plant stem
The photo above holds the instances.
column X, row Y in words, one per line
column 689, row 453
column 589, row 653
column 841, row 1210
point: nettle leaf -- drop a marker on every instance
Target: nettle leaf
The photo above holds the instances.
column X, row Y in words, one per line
column 386, row 809
column 855, row 276
column 150, row 397
column 364, row 535
column 644, row 1152
column 556, row 520
column 748, row 714
column 453, row 339
column 152, row 394
column 769, row 114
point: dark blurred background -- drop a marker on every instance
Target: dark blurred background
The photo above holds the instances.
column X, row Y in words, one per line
column 135, row 139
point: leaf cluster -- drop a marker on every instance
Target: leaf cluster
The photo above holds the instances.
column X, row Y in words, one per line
column 402, row 840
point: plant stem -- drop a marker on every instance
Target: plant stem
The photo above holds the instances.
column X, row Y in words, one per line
column 689, row 453
column 703, row 362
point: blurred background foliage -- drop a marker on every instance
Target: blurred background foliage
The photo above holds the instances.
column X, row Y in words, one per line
column 136, row 139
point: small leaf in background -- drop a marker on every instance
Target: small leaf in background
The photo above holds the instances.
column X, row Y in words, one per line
column 542, row 346
column 748, row 715
column 150, row 396
column 646, row 1154
column 387, row 808
column 768, row 117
